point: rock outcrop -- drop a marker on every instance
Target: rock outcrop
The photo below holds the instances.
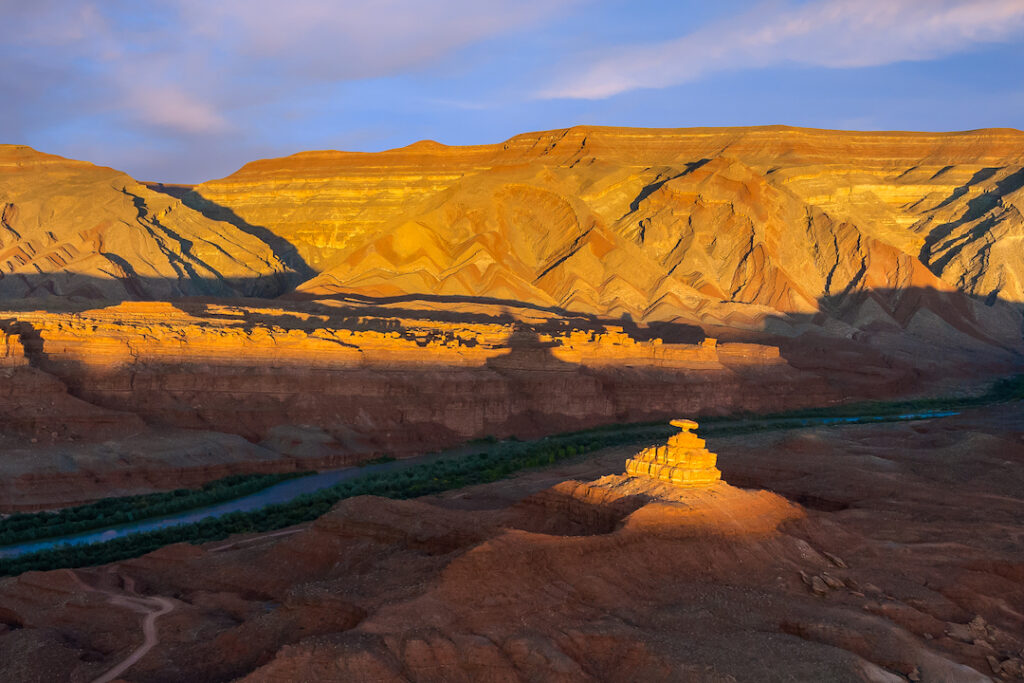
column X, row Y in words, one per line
column 891, row 569
column 72, row 229
column 683, row 461
column 399, row 381
column 748, row 228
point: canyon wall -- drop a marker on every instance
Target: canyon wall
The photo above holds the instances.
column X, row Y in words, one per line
column 394, row 383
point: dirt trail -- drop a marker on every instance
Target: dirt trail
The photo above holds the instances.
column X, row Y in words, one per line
column 153, row 607
column 245, row 542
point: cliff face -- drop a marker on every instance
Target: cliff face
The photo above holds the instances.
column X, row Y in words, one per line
column 36, row 405
column 400, row 383
column 659, row 224
column 68, row 228
column 895, row 568
column 559, row 280
column 151, row 395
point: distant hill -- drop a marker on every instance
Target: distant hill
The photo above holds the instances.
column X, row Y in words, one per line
column 719, row 227
column 69, row 228
column 769, row 229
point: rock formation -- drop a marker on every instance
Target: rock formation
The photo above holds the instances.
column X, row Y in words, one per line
column 326, row 388
column 684, row 461
column 746, row 228
column 430, row 295
column 72, row 229
column 892, row 569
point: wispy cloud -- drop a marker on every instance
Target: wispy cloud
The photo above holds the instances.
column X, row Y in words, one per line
column 356, row 39
column 827, row 33
column 187, row 74
column 183, row 64
column 167, row 105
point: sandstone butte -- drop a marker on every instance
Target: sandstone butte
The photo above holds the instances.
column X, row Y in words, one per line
column 683, row 461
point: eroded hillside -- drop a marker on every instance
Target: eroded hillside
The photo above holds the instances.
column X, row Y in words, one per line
column 703, row 225
column 69, row 228
column 559, row 280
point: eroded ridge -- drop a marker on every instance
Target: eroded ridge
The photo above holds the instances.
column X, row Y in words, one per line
column 683, row 461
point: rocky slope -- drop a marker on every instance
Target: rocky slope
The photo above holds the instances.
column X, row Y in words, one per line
column 327, row 387
column 710, row 226
column 863, row 560
column 68, row 228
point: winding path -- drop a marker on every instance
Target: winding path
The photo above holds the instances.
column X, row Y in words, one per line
column 153, row 607
column 247, row 542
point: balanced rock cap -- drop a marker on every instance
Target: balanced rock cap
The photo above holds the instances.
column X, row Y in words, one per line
column 683, row 461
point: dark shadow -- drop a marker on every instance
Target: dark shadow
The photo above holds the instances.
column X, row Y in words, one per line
column 171, row 190
column 366, row 300
column 649, row 189
column 184, row 266
column 527, row 353
column 31, row 340
column 883, row 359
column 282, row 248
column 979, row 177
column 976, row 208
column 563, row 319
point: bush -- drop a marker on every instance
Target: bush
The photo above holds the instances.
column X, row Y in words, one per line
column 22, row 527
column 501, row 460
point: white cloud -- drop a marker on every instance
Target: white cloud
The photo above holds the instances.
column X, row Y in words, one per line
column 828, row 33
column 169, row 106
column 355, row 39
column 190, row 66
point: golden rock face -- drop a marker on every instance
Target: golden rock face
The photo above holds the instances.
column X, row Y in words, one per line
column 69, row 228
column 684, row 461
column 709, row 227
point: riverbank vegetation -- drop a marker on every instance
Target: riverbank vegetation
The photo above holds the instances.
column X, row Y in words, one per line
column 32, row 526
column 493, row 461
column 497, row 462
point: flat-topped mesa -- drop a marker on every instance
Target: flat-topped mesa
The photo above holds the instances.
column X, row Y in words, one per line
column 684, row 461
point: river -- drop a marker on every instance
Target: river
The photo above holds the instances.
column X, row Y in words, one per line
column 293, row 488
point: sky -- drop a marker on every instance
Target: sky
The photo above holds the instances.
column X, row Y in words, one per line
column 190, row 90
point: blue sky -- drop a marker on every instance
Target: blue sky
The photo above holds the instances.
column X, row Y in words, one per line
column 188, row 90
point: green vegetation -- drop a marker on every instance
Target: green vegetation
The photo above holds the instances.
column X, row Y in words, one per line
column 1008, row 389
column 378, row 461
column 493, row 462
column 417, row 480
column 32, row 526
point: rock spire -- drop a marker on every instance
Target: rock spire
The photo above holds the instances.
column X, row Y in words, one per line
column 684, row 461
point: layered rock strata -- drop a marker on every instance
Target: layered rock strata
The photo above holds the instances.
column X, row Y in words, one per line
column 72, row 229
column 405, row 383
column 913, row 233
column 36, row 406
column 683, row 461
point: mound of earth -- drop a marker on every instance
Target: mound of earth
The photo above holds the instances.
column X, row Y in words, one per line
column 876, row 553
